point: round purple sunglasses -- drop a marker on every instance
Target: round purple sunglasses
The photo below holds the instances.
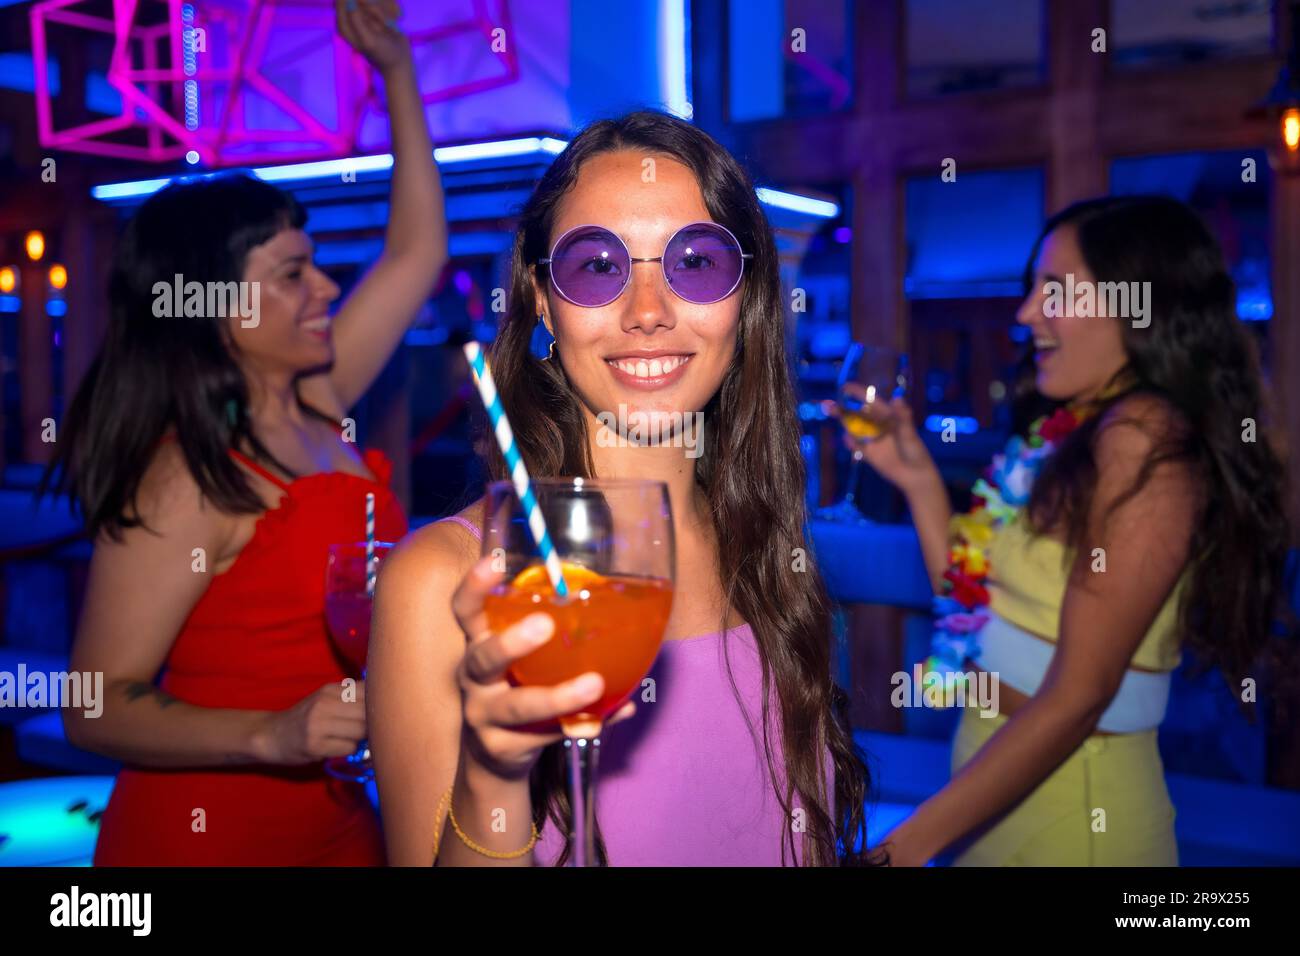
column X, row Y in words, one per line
column 591, row 266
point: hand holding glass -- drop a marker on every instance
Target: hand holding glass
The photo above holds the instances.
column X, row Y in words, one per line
column 870, row 378
column 614, row 539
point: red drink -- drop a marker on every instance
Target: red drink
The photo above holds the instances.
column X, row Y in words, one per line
column 348, row 616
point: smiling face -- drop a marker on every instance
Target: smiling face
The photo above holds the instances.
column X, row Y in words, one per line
column 649, row 350
column 292, row 333
column 1076, row 355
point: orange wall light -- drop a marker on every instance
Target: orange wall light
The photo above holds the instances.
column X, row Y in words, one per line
column 1291, row 129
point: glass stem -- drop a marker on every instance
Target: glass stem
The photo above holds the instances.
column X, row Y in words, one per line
column 852, row 482
column 582, row 756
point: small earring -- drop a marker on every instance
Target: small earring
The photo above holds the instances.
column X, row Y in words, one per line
column 550, row 351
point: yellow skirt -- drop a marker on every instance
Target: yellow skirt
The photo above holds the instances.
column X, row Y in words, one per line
column 1106, row 805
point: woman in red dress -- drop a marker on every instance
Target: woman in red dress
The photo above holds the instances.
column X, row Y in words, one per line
column 209, row 456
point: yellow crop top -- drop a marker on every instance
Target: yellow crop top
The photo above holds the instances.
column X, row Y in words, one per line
column 1027, row 580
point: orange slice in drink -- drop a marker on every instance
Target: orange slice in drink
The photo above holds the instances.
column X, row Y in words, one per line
column 534, row 577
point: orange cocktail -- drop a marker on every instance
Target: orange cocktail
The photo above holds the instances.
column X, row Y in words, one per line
column 610, row 624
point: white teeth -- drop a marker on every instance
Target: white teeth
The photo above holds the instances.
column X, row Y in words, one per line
column 652, row 369
column 317, row 325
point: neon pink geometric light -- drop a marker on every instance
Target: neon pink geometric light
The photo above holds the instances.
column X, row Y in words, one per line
column 139, row 47
column 274, row 82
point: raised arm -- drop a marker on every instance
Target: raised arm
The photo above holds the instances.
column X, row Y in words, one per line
column 370, row 323
column 1104, row 617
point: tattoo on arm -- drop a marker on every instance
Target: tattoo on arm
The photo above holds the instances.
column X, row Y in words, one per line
column 137, row 689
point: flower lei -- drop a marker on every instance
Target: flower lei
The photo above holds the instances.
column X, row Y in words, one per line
column 961, row 610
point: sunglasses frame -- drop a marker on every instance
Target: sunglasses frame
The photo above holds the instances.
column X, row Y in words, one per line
column 627, row 280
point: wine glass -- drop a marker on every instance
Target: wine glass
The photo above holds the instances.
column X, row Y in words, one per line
column 614, row 539
column 348, row 603
column 870, row 377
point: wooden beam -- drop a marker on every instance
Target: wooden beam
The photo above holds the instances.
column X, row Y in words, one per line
column 1178, row 111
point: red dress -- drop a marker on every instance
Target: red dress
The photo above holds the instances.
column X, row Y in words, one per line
column 257, row 640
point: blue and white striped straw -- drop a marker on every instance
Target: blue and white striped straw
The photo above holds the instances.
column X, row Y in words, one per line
column 487, row 390
column 372, row 565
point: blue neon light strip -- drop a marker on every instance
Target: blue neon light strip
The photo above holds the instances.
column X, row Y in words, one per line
column 444, row 156
column 673, row 53
column 795, row 203
column 324, row 169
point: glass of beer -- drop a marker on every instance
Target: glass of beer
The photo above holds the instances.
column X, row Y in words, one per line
column 870, row 377
column 614, row 539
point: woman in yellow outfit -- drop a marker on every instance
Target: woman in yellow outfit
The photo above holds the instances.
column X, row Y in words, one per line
column 1154, row 523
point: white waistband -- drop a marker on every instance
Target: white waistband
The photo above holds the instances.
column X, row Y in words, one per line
column 1021, row 659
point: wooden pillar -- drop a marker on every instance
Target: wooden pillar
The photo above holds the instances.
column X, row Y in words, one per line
column 1285, row 334
column 1076, row 168
column 877, row 307
column 1284, row 739
column 85, row 254
column 878, row 314
column 35, row 361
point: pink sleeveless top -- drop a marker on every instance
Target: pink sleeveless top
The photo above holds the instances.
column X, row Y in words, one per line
column 684, row 782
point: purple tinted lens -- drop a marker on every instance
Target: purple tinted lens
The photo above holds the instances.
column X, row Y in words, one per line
column 590, row 266
column 703, row 263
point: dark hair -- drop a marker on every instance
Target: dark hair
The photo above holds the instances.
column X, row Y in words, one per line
column 1198, row 363
column 151, row 373
column 751, row 471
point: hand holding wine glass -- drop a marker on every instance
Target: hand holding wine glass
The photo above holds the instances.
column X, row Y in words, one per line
column 898, row 455
column 870, row 402
column 507, row 726
column 322, row 725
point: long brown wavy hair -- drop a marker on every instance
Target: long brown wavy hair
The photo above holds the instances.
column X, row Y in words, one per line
column 751, row 472
column 1195, row 357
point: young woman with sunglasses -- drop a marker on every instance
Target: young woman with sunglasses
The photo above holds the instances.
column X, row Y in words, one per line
column 645, row 252
column 206, row 456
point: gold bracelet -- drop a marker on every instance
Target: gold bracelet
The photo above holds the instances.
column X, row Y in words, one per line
column 494, row 854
